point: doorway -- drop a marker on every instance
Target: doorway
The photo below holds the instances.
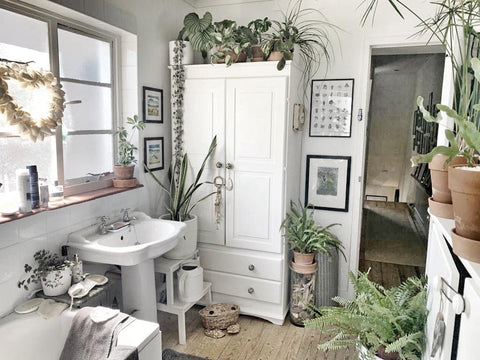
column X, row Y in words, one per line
column 394, row 218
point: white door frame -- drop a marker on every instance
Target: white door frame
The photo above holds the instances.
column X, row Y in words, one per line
column 358, row 168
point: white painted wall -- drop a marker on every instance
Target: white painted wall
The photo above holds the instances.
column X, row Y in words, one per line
column 352, row 47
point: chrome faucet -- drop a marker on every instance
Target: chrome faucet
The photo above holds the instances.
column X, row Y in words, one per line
column 102, row 228
column 126, row 217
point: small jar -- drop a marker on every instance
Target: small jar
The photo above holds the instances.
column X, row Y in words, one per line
column 56, row 192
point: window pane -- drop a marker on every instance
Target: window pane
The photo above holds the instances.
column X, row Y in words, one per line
column 24, row 39
column 83, row 57
column 85, row 154
column 93, row 113
column 17, row 153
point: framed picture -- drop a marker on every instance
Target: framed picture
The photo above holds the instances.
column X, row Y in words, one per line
column 327, row 182
column 331, row 105
column 153, row 153
column 152, row 105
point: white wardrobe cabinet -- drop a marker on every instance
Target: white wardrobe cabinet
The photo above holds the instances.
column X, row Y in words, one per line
column 249, row 108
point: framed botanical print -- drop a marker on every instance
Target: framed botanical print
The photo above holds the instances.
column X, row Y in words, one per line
column 152, row 105
column 327, row 182
column 331, row 106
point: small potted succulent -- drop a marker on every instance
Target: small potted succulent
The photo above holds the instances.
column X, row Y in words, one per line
column 53, row 271
column 381, row 323
column 126, row 150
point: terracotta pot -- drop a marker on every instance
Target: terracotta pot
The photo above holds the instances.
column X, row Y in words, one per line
column 303, row 268
column 387, row 356
column 464, row 183
column 242, row 57
column 275, row 56
column 123, row 172
column 303, row 259
column 439, row 175
column 466, row 248
column 257, row 53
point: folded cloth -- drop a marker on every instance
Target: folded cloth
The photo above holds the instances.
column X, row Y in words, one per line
column 50, row 308
column 96, row 341
column 101, row 314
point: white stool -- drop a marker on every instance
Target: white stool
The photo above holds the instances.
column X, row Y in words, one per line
column 174, row 305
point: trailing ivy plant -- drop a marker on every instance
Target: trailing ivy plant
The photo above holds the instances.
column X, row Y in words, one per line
column 390, row 320
column 178, row 89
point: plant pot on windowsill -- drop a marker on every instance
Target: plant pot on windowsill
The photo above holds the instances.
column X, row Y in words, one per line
column 124, row 176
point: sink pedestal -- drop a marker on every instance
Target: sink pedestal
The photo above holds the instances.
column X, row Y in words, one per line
column 138, row 290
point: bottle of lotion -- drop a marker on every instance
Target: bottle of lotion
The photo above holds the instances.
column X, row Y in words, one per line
column 34, row 192
column 23, row 189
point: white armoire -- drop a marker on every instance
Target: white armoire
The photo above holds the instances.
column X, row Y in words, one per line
column 249, row 107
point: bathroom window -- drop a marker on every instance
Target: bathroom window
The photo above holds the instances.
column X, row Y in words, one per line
column 83, row 60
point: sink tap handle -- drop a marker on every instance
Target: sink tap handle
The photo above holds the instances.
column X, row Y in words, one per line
column 126, row 217
column 103, row 224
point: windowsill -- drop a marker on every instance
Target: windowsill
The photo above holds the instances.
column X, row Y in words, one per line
column 69, row 200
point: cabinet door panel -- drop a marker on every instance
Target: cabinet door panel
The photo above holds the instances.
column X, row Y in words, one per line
column 204, row 117
column 255, row 132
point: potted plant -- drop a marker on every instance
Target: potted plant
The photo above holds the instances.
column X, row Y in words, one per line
column 258, row 28
column 230, row 43
column 381, row 323
column 181, row 201
column 54, row 273
column 123, row 171
column 199, row 32
column 305, row 28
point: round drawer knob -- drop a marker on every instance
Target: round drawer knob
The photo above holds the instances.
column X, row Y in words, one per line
column 251, row 290
column 251, row 267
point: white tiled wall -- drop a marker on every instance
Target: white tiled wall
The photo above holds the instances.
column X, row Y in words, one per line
column 20, row 239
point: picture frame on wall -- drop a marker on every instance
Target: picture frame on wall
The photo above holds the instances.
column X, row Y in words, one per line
column 153, row 153
column 327, row 182
column 152, row 105
column 331, row 106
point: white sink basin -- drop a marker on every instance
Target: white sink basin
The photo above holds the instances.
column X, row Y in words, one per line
column 144, row 239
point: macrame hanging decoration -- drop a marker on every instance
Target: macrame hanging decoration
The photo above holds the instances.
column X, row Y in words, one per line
column 26, row 78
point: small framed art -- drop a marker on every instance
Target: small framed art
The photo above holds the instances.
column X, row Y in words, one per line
column 152, row 105
column 327, row 182
column 331, row 108
column 153, row 153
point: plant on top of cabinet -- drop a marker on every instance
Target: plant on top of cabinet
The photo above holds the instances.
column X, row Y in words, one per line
column 309, row 30
column 126, row 158
column 199, row 31
column 231, row 43
column 388, row 323
column 258, row 28
column 305, row 237
column 53, row 271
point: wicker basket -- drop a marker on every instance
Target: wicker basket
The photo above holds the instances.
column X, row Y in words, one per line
column 219, row 316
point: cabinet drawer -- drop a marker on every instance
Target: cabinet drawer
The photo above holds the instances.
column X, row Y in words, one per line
column 245, row 287
column 258, row 266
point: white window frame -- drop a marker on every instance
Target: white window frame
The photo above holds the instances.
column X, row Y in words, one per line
column 55, row 22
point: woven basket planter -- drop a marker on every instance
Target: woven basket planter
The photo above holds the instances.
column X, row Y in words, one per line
column 219, row 316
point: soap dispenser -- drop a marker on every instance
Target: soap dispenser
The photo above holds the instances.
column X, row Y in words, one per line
column 77, row 269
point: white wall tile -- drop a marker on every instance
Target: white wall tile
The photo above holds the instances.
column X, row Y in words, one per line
column 58, row 219
column 32, row 226
column 8, row 234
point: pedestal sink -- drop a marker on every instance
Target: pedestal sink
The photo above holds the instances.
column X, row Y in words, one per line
column 134, row 247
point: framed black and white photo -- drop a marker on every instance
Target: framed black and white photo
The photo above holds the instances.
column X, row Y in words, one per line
column 327, row 182
column 152, row 105
column 331, row 106
column 153, row 153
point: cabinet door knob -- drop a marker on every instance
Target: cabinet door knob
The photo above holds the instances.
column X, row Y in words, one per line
column 251, row 267
column 219, row 165
column 229, row 166
column 251, row 290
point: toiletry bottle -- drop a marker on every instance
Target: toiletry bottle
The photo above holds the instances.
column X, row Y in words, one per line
column 44, row 193
column 34, row 192
column 23, row 189
column 77, row 269
column 56, row 192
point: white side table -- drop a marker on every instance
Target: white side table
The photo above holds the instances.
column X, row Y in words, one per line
column 174, row 305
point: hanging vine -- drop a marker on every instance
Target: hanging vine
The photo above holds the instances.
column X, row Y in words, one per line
column 178, row 88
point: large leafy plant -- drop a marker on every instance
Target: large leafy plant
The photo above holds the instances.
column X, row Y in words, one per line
column 199, row 31
column 453, row 26
column 230, row 41
column 126, row 149
column 305, row 236
column 392, row 320
column 180, row 192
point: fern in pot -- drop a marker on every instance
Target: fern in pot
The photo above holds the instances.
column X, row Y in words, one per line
column 181, row 200
column 380, row 323
column 51, row 270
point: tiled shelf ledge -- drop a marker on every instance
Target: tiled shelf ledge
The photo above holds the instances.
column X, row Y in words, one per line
column 69, row 200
